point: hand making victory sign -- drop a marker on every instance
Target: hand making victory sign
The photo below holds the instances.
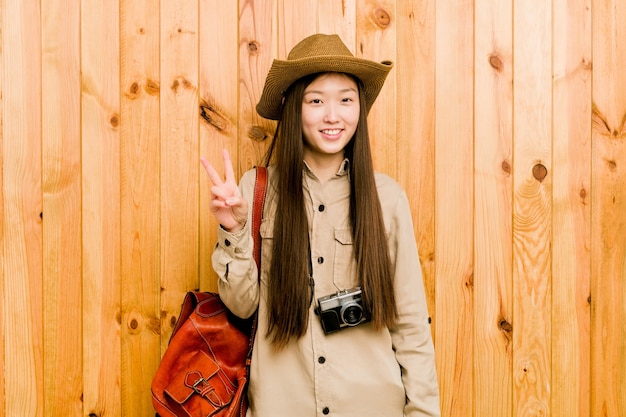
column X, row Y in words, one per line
column 227, row 204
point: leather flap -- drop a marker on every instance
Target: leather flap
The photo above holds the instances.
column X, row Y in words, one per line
column 202, row 377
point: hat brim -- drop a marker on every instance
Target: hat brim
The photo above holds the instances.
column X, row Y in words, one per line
column 283, row 73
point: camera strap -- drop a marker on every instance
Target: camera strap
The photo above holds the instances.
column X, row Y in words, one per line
column 311, row 280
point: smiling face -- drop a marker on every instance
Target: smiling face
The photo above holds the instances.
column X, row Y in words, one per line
column 330, row 114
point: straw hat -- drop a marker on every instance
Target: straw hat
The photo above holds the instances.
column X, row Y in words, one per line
column 315, row 54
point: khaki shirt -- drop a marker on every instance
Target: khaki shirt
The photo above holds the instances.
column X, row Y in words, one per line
column 355, row 372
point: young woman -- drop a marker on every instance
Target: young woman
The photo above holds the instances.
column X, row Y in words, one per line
column 343, row 325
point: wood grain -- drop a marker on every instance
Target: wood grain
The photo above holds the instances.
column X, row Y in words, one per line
column 61, row 189
column 454, row 149
column 22, row 235
column 415, row 127
column 296, row 21
column 532, row 208
column 140, row 204
column 493, row 187
column 218, row 114
column 257, row 49
column 340, row 18
column 504, row 121
column 608, row 211
column 100, row 138
column 376, row 41
column 2, row 200
column 179, row 167
column 571, row 261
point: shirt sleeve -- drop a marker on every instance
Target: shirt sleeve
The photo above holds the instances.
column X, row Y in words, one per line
column 233, row 261
column 411, row 336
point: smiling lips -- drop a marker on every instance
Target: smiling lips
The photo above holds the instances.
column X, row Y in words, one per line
column 331, row 132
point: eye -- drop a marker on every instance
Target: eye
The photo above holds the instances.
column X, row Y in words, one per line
column 347, row 100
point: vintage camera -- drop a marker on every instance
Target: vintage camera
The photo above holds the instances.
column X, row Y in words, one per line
column 342, row 309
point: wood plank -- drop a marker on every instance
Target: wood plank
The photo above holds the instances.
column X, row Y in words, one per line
column 376, row 40
column 493, row 184
column 339, row 18
column 532, row 207
column 140, row 203
column 2, row 199
column 571, row 263
column 100, row 138
column 415, row 126
column 218, row 40
column 454, row 213
column 608, row 216
column 61, row 187
column 257, row 49
column 298, row 20
column 295, row 21
column 179, row 158
column 22, row 232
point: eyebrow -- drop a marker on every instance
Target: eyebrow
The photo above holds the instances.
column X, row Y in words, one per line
column 345, row 90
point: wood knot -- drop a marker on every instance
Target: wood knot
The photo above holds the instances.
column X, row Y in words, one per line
column 540, row 172
column 115, row 120
column 133, row 91
column 154, row 325
column 612, row 165
column 181, row 83
column 582, row 193
column 505, row 326
column 253, row 47
column 212, row 116
column 152, row 87
column 495, row 62
column 133, row 324
column 506, row 167
column 382, row 18
column 173, row 320
column 257, row 133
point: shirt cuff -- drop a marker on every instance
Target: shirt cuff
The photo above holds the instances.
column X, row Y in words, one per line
column 234, row 244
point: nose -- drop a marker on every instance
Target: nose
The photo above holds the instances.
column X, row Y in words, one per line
column 331, row 114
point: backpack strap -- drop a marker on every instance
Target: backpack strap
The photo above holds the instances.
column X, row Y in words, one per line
column 258, row 203
column 260, row 187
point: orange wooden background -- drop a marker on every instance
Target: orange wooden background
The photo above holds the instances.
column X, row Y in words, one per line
column 504, row 120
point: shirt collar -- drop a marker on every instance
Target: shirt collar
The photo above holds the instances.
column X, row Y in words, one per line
column 344, row 169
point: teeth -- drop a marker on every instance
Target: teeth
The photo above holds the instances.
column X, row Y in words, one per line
column 331, row 131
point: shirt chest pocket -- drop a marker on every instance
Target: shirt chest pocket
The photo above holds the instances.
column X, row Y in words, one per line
column 344, row 266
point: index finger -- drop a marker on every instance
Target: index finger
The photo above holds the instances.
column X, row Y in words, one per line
column 213, row 175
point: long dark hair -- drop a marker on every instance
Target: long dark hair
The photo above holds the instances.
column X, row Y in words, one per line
column 289, row 292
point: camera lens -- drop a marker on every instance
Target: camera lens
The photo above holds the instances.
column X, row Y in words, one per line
column 352, row 314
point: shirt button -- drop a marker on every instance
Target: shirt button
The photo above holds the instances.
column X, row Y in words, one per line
column 320, row 260
column 325, row 410
column 227, row 242
column 321, row 207
column 321, row 359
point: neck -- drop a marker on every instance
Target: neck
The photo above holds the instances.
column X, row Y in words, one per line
column 324, row 168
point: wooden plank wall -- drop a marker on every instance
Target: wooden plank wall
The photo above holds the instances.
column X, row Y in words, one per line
column 504, row 120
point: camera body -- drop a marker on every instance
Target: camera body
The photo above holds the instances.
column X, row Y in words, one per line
column 342, row 309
